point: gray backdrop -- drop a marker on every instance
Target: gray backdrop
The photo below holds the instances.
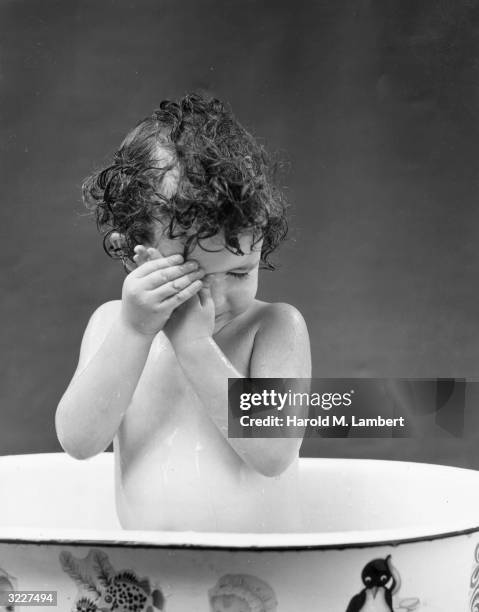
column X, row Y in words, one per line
column 373, row 104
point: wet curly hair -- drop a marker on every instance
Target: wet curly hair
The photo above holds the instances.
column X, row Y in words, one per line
column 226, row 181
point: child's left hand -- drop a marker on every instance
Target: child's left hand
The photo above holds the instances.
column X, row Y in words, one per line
column 191, row 321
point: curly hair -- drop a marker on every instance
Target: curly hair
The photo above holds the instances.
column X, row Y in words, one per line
column 226, row 182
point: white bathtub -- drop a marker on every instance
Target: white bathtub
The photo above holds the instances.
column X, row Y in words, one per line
column 417, row 525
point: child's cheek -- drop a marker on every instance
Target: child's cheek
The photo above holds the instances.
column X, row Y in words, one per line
column 232, row 295
column 244, row 293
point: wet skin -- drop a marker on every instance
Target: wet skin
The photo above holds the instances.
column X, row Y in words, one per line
column 163, row 354
column 177, row 452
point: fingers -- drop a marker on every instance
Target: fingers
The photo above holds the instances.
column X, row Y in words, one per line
column 205, row 294
column 161, row 277
column 141, row 255
column 169, row 289
column 150, row 254
column 169, row 280
column 147, row 252
column 183, row 296
column 154, row 253
column 153, row 265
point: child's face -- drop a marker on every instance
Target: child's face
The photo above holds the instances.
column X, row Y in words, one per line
column 233, row 278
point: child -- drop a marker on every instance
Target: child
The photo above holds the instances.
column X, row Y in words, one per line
column 191, row 211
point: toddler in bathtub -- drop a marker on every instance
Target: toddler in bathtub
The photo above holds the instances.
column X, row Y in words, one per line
column 190, row 207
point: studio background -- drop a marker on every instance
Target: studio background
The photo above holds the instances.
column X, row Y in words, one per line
column 372, row 104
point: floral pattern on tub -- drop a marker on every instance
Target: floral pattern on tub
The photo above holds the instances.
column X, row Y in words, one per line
column 242, row 593
column 102, row 589
column 474, row 597
column 7, row 583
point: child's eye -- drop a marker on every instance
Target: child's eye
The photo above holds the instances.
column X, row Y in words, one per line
column 240, row 275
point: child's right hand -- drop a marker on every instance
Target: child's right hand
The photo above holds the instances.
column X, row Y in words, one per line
column 155, row 288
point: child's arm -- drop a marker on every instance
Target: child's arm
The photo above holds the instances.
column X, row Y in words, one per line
column 281, row 350
column 114, row 351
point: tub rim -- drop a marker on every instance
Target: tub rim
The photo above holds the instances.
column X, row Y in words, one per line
column 234, row 541
column 240, row 542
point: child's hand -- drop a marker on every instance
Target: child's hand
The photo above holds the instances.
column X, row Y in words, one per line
column 155, row 288
column 190, row 321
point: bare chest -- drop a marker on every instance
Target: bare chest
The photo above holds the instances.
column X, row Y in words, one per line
column 164, row 401
column 175, row 470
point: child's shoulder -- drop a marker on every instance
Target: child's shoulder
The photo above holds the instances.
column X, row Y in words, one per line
column 106, row 310
column 103, row 317
column 281, row 343
column 98, row 327
column 279, row 315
